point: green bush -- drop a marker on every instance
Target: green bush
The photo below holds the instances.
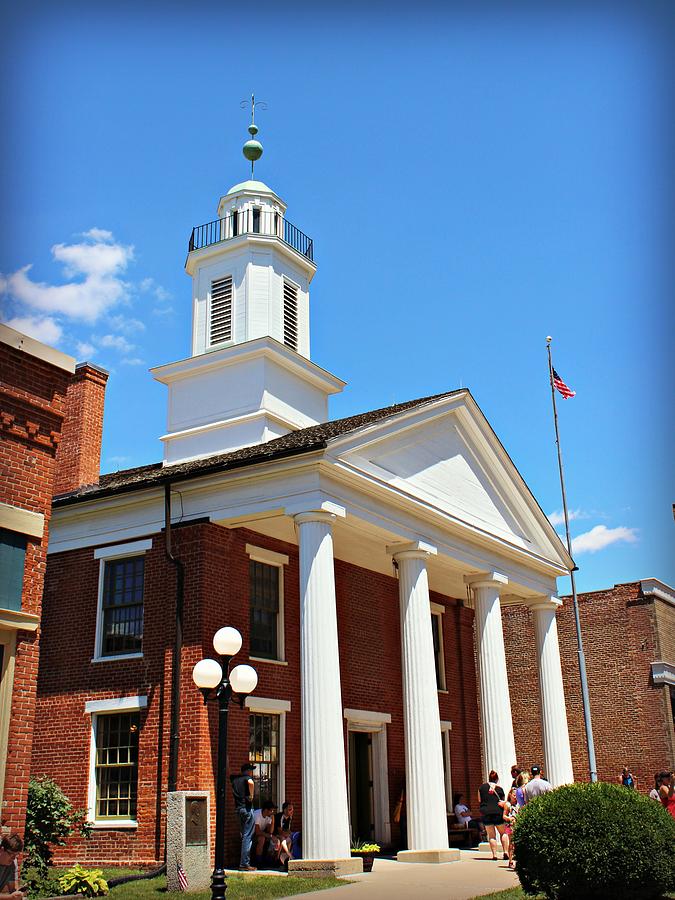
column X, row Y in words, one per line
column 600, row 841
column 89, row 882
column 50, row 819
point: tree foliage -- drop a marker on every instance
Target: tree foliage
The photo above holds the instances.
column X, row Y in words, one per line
column 50, row 820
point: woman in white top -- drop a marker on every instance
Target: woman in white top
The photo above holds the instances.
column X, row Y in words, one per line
column 463, row 815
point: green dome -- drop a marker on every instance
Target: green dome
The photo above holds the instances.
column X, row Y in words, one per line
column 256, row 187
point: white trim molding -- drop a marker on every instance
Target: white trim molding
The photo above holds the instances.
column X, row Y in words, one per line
column 267, row 705
column 23, row 521
column 116, row 704
column 29, row 345
column 262, row 554
column 132, row 548
column 652, row 587
column 18, row 621
column 663, row 673
column 366, row 717
column 109, row 706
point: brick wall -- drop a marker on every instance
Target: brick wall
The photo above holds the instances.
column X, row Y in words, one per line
column 32, row 406
column 627, row 710
column 216, row 594
column 79, row 453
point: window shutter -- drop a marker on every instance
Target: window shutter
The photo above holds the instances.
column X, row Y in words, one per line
column 290, row 315
column 221, row 310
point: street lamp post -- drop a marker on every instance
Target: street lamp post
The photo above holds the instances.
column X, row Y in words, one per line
column 216, row 682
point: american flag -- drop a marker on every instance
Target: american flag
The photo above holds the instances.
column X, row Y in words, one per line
column 561, row 387
column 182, row 877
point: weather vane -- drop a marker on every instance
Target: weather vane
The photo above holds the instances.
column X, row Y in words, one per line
column 253, row 149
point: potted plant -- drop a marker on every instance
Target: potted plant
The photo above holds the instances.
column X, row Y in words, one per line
column 366, row 852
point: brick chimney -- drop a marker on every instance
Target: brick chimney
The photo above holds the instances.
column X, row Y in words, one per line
column 78, row 458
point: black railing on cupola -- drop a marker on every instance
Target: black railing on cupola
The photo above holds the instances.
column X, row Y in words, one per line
column 251, row 221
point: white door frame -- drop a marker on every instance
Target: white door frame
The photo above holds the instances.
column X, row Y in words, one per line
column 375, row 724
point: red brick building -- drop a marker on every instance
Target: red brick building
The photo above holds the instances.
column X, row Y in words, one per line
column 39, row 453
column 365, row 562
column 629, row 643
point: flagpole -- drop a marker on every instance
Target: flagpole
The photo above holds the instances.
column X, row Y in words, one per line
column 575, row 602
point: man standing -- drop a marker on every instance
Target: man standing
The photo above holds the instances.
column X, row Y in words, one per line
column 242, row 789
column 536, row 785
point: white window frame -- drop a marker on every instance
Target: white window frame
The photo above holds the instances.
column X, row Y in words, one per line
column 278, row 560
column 8, row 640
column 271, row 707
column 94, row 708
column 438, row 610
column 217, row 345
column 446, row 728
column 103, row 554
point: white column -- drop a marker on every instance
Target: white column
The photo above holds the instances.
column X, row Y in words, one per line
column 499, row 748
column 325, row 817
column 425, row 788
column 557, row 753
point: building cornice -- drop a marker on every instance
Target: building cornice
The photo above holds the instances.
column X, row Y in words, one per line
column 26, row 344
column 652, row 587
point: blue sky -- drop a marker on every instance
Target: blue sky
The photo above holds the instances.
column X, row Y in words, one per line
column 474, row 179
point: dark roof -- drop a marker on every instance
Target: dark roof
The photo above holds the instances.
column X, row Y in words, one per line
column 304, row 440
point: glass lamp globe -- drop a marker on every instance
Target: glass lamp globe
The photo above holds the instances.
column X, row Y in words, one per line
column 207, row 673
column 243, row 679
column 227, row 641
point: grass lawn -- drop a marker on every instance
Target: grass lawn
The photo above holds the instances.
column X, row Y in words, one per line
column 239, row 887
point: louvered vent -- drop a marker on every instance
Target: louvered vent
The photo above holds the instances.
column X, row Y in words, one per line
column 290, row 315
column 221, row 310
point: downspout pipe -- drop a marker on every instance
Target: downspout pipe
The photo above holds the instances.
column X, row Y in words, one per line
column 178, row 642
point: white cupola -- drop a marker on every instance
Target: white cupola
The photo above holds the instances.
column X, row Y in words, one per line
column 249, row 378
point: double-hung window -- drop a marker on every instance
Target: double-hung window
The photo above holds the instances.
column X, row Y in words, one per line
column 113, row 764
column 116, row 766
column 121, row 607
column 264, row 753
column 266, row 606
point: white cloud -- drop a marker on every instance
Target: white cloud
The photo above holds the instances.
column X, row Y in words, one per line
column 162, row 310
column 600, row 537
column 116, row 342
column 85, row 349
column 43, row 328
column 98, row 261
column 133, row 361
column 125, row 325
column 98, row 234
column 558, row 517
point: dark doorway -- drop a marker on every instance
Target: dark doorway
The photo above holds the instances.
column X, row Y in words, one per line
column 361, row 785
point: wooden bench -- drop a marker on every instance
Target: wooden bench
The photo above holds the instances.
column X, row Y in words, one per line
column 461, row 835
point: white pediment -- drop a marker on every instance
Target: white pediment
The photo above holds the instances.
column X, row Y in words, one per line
column 447, row 457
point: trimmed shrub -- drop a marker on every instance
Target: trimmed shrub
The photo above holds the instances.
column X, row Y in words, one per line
column 600, row 841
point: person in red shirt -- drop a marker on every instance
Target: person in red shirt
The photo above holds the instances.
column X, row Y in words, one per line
column 667, row 791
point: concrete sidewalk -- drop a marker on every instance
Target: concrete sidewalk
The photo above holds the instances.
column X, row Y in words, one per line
column 475, row 874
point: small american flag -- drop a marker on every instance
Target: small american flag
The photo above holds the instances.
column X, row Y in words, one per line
column 561, row 387
column 182, row 877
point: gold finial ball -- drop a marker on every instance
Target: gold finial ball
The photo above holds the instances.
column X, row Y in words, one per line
column 252, row 150
column 549, row 339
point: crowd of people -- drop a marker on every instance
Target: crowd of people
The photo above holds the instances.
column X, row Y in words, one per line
column 498, row 809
